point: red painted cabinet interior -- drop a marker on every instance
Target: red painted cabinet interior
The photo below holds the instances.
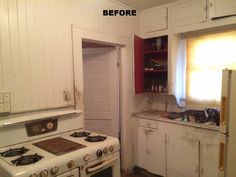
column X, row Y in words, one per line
column 139, row 64
column 151, row 64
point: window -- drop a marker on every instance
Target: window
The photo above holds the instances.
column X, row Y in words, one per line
column 206, row 56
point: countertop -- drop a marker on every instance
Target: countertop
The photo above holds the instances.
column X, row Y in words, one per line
column 162, row 116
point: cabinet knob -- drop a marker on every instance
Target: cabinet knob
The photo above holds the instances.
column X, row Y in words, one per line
column 201, row 171
column 211, row 5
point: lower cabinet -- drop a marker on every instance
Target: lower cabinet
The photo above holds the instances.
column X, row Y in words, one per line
column 151, row 150
column 209, row 161
column 173, row 150
column 183, row 156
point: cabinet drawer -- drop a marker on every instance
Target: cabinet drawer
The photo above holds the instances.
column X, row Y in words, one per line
column 148, row 123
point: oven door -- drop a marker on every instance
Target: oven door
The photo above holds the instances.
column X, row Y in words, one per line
column 107, row 167
column 72, row 173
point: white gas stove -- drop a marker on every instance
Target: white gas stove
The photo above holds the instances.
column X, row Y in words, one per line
column 75, row 153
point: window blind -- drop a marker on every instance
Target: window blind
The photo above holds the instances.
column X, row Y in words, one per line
column 207, row 55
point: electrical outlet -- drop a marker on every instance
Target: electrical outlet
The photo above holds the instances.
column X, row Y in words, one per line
column 6, row 107
column 1, row 108
column 1, row 98
column 5, row 102
column 6, row 97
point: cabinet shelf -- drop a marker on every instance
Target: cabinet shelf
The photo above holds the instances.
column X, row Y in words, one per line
column 154, row 71
column 157, row 93
column 151, row 63
column 155, row 51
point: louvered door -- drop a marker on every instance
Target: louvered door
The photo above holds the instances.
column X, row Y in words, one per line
column 101, row 90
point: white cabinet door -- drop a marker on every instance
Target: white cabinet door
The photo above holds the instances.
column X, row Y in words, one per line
column 183, row 156
column 157, row 152
column 187, row 13
column 221, row 8
column 210, row 159
column 153, row 19
column 142, row 148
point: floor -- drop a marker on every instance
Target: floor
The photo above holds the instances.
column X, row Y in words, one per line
column 132, row 175
column 138, row 174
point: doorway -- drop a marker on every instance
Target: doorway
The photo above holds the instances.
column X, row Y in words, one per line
column 124, row 44
column 101, row 88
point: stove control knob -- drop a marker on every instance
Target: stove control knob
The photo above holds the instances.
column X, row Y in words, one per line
column 99, row 153
column 44, row 173
column 105, row 150
column 86, row 157
column 54, row 170
column 49, row 125
column 33, row 175
column 111, row 148
column 82, row 168
column 71, row 164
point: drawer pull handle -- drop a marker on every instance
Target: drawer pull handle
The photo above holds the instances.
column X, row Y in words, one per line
column 100, row 165
column 221, row 156
column 223, row 114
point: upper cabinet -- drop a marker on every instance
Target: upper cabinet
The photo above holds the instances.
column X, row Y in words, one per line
column 151, row 64
column 222, row 8
column 187, row 13
column 36, row 62
column 154, row 19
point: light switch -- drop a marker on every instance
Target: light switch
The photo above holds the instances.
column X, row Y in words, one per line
column 6, row 107
column 1, row 97
column 6, row 97
column 1, row 107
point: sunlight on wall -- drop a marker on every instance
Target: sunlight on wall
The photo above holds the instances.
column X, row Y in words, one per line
column 206, row 57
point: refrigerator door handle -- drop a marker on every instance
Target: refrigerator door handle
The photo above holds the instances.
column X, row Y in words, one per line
column 223, row 111
column 222, row 157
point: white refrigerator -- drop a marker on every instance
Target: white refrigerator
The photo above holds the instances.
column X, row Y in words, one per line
column 227, row 145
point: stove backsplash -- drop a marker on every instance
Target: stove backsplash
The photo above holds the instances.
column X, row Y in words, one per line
column 17, row 133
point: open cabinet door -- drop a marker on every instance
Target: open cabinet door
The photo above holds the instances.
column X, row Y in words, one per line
column 139, row 64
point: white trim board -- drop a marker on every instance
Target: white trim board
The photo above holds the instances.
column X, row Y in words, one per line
column 30, row 117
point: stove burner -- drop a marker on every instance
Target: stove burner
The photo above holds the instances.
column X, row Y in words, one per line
column 26, row 160
column 14, row 152
column 95, row 138
column 80, row 134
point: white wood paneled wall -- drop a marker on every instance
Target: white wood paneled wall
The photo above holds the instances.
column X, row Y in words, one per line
column 36, row 63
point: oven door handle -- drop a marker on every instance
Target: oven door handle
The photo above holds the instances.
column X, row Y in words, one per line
column 100, row 166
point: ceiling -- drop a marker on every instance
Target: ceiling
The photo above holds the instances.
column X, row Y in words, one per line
column 145, row 4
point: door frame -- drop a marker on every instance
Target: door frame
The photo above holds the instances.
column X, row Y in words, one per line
column 125, row 79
